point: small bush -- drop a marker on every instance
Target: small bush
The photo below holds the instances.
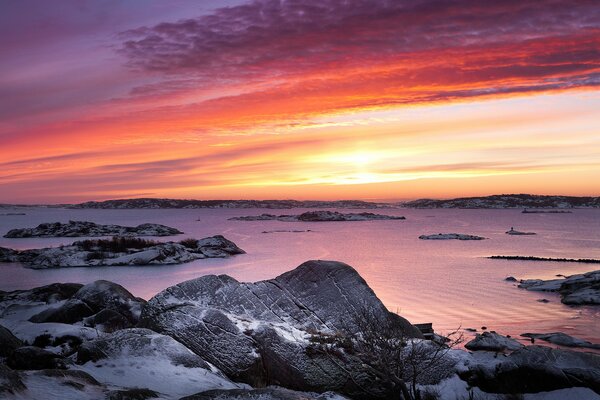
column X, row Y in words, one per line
column 43, row 340
column 117, row 244
column 95, row 255
column 189, row 243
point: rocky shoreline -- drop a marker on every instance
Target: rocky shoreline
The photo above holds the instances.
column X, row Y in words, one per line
column 91, row 229
column 120, row 251
column 319, row 216
column 580, row 289
column 296, row 336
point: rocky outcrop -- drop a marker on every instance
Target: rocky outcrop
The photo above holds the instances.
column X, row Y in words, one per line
column 318, row 216
column 451, row 236
column 562, row 339
column 492, row 341
column 535, row 369
column 127, row 251
column 574, row 290
column 259, row 333
column 8, row 342
column 8, row 255
column 91, row 229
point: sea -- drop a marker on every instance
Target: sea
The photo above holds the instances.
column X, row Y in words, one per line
column 449, row 283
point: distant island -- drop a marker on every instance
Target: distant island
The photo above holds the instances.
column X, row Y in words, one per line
column 529, row 201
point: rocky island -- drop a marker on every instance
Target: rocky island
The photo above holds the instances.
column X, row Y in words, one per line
column 297, row 336
column 91, row 229
column 577, row 289
column 512, row 231
column 122, row 251
column 509, row 201
column 451, row 236
column 318, row 216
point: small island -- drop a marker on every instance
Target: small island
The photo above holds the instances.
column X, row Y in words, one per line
column 318, row 216
column 512, row 231
column 120, row 251
column 577, row 289
column 548, row 259
column 526, row 211
column 91, row 229
column 451, row 236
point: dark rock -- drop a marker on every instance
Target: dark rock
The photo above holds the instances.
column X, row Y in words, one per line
column 30, row 357
column 8, row 342
column 511, row 279
column 257, row 332
column 562, row 339
column 535, row 369
column 8, row 255
column 270, row 393
column 108, row 321
column 132, row 394
column 46, row 294
column 72, row 311
column 10, row 381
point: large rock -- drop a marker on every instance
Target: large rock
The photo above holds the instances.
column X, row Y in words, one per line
column 259, row 333
column 145, row 359
column 535, row 369
column 8, row 342
column 30, row 357
column 91, row 229
column 71, row 311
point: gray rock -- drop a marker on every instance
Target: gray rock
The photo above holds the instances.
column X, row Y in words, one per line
column 8, row 342
column 578, row 289
column 535, row 369
column 91, row 229
column 491, row 341
column 562, row 339
column 30, row 357
column 104, row 295
column 258, row 333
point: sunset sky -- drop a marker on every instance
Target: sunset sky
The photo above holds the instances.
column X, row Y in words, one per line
column 302, row 99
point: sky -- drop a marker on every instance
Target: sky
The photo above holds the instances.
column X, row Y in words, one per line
column 328, row 99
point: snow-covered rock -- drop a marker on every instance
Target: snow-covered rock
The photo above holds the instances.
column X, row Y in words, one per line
column 562, row 339
column 491, row 341
column 574, row 290
column 450, row 236
column 533, row 369
column 91, row 229
column 125, row 251
column 269, row 393
column 146, row 359
column 319, row 216
column 259, row 333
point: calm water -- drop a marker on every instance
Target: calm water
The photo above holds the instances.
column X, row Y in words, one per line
column 449, row 283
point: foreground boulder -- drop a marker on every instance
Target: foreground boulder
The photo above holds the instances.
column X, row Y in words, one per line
column 535, row 369
column 259, row 333
column 577, row 289
column 127, row 251
column 319, row 216
column 91, row 229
